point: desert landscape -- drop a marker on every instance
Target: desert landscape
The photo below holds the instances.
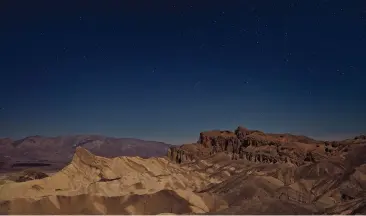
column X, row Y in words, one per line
column 183, row 107
column 225, row 172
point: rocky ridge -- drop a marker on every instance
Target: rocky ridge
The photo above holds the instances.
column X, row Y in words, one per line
column 97, row 182
column 240, row 172
column 256, row 146
column 319, row 175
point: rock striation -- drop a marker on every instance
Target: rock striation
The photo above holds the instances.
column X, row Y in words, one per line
column 225, row 172
column 90, row 184
column 258, row 147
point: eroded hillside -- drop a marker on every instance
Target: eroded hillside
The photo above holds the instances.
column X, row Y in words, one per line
column 240, row 172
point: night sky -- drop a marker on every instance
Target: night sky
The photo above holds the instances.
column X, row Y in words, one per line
column 167, row 70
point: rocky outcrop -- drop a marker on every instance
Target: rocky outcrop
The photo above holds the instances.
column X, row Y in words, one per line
column 180, row 155
column 256, row 146
column 28, row 175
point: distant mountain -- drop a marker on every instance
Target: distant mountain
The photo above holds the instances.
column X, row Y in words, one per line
column 56, row 152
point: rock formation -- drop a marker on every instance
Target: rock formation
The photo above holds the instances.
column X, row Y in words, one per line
column 256, row 146
column 312, row 172
column 240, row 172
column 88, row 177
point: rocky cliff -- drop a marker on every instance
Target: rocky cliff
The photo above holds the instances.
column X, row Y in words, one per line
column 260, row 147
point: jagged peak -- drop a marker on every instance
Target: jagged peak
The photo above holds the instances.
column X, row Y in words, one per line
column 84, row 159
column 83, row 152
column 88, row 158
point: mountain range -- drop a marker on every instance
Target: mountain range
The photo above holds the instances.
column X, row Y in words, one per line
column 53, row 153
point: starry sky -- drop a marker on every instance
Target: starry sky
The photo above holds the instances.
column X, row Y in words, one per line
column 167, row 70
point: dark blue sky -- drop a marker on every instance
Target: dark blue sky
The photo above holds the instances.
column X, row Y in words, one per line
column 166, row 70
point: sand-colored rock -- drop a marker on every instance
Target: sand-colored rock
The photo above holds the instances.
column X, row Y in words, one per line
column 122, row 177
column 241, row 172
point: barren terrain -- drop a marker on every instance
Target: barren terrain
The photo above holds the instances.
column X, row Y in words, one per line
column 51, row 154
column 225, row 172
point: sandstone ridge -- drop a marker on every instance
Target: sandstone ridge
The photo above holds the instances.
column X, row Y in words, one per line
column 91, row 178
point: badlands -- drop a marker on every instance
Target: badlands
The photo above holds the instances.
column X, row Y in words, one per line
column 225, row 172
